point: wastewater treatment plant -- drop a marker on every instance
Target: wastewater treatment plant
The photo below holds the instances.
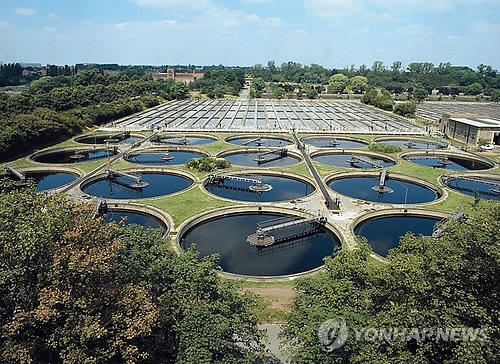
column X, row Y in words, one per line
column 272, row 187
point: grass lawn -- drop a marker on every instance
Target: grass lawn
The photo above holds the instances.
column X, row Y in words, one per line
column 300, row 168
column 325, row 169
column 415, row 170
column 187, row 204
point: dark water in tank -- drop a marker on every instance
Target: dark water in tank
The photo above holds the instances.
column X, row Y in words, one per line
column 361, row 188
column 65, row 157
column 341, row 143
column 49, row 180
column 456, row 163
column 341, row 160
column 384, row 233
column 468, row 187
column 414, row 144
column 227, row 237
column 155, row 158
column 246, row 159
column 129, row 217
column 159, row 185
column 283, row 189
column 101, row 139
column 263, row 142
column 178, row 140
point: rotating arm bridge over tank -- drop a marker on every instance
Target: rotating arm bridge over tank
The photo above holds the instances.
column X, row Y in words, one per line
column 117, row 137
column 356, row 159
column 494, row 191
column 16, row 172
column 138, row 184
column 81, row 153
column 383, row 177
column 273, row 155
column 441, row 227
column 256, row 184
column 262, row 237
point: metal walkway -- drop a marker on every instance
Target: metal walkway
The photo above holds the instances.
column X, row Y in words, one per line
column 16, row 172
column 355, row 159
column 279, row 154
column 261, row 237
column 441, row 227
column 330, row 204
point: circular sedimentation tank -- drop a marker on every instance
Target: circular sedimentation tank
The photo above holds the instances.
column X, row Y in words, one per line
column 73, row 155
column 400, row 189
column 263, row 158
column 449, row 161
column 412, row 143
column 45, row 179
column 287, row 256
column 350, row 159
column 127, row 216
column 259, row 141
column 335, row 142
column 162, row 156
column 485, row 186
column 180, row 140
column 122, row 187
column 103, row 138
column 383, row 230
column 272, row 187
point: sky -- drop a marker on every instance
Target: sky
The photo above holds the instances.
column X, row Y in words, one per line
column 332, row 33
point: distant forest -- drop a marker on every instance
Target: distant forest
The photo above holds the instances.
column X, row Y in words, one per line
column 62, row 106
column 395, row 78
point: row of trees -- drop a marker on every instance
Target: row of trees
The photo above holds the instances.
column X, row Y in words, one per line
column 395, row 78
column 61, row 106
column 448, row 283
column 77, row 290
column 217, row 83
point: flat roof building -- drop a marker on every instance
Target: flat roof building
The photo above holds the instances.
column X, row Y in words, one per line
column 469, row 128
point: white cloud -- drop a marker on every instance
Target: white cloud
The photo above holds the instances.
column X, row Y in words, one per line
column 486, row 27
column 416, row 31
column 25, row 11
column 50, row 29
column 272, row 21
column 200, row 4
column 333, row 8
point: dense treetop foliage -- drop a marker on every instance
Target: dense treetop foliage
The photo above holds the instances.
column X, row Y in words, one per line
column 217, row 83
column 77, row 290
column 450, row 282
column 395, row 78
column 61, row 106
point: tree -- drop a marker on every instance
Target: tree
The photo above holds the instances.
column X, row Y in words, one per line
column 278, row 92
column 449, row 282
column 77, row 290
column 180, row 90
column 337, row 83
column 474, row 89
column 311, row 93
column 384, row 101
column 406, row 109
column 420, row 94
column 358, row 84
column 495, row 96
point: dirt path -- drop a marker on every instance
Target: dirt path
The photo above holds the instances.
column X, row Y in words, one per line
column 280, row 297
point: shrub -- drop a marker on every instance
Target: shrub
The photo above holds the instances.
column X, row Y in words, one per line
column 384, row 148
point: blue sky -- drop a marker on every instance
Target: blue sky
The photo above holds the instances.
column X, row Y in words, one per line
column 333, row 33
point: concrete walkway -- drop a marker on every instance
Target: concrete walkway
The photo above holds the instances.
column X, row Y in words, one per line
column 273, row 344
